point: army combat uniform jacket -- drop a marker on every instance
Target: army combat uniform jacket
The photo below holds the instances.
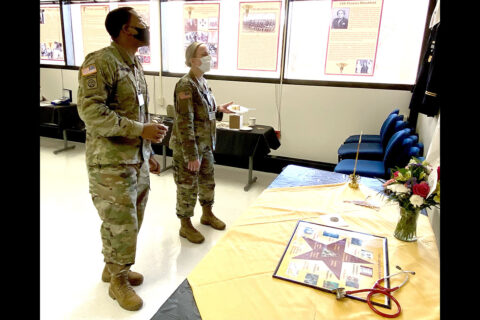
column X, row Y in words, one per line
column 112, row 101
column 196, row 112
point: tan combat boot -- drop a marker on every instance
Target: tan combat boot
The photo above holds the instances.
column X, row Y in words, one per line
column 120, row 288
column 188, row 231
column 133, row 277
column 209, row 219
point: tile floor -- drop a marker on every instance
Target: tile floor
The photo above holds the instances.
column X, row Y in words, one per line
column 71, row 261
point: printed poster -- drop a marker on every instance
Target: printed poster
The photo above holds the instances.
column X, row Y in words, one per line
column 353, row 37
column 95, row 36
column 51, row 43
column 258, row 35
column 328, row 258
column 201, row 24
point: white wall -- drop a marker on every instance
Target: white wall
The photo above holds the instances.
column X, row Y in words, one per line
column 315, row 120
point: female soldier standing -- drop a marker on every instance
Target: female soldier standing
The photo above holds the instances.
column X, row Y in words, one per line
column 193, row 142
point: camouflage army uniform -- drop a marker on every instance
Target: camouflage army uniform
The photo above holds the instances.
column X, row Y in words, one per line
column 116, row 155
column 193, row 137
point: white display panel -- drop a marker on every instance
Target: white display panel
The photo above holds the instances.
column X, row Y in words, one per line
column 89, row 33
column 400, row 38
column 240, row 52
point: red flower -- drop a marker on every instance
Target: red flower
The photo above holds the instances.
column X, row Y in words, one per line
column 438, row 173
column 422, row 189
column 395, row 174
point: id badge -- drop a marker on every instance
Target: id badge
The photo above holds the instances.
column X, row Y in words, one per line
column 211, row 115
column 140, row 100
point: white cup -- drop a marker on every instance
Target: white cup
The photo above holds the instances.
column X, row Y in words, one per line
column 251, row 121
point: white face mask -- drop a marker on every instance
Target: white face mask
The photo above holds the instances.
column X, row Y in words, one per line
column 206, row 62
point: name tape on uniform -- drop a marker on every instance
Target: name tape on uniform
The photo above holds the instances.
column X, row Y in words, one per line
column 89, row 70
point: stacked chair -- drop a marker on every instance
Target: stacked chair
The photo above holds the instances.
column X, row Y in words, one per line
column 373, row 150
column 400, row 148
column 372, row 137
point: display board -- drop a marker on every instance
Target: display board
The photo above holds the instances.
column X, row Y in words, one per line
column 353, row 37
column 51, row 44
column 95, row 36
column 201, row 24
column 259, row 27
column 328, row 258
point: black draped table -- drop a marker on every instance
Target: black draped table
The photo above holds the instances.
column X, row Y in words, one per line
column 254, row 143
column 167, row 121
column 240, row 143
column 62, row 117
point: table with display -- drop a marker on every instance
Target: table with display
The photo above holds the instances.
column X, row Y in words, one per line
column 254, row 143
column 239, row 284
column 61, row 117
column 251, row 144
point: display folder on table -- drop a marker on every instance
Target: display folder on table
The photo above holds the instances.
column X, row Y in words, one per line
column 327, row 258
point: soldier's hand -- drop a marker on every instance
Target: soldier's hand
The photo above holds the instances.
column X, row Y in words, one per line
column 223, row 107
column 194, row 165
column 154, row 165
column 154, row 132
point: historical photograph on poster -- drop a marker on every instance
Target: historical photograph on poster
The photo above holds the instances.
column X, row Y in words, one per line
column 191, row 25
column 340, row 18
column 364, row 66
column 259, row 22
column 328, row 258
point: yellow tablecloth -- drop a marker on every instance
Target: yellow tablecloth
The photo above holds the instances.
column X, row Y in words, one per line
column 234, row 280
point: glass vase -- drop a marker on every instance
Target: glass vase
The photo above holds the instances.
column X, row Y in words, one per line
column 406, row 229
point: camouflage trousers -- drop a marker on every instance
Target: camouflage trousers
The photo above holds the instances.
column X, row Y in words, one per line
column 191, row 185
column 120, row 194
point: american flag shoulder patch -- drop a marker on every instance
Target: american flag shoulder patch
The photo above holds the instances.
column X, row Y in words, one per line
column 184, row 95
column 88, row 70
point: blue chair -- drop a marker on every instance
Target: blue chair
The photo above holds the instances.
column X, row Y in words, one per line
column 417, row 144
column 371, row 137
column 371, row 150
column 408, row 149
column 421, row 148
column 394, row 156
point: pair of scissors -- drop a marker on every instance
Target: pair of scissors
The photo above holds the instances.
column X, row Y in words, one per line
column 378, row 289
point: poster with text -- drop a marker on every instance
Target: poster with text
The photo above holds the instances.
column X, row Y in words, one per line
column 200, row 23
column 51, row 44
column 329, row 258
column 95, row 36
column 143, row 53
column 353, row 37
column 258, row 35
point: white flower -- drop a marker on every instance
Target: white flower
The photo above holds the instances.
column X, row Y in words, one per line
column 416, row 200
column 398, row 188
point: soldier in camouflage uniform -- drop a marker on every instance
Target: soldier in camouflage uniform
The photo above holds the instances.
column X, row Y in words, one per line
column 112, row 101
column 193, row 143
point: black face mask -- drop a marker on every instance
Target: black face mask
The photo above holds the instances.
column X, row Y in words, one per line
column 143, row 35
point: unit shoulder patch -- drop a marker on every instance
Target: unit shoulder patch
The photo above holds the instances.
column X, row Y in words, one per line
column 92, row 83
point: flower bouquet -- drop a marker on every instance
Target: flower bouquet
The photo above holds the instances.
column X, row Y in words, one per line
column 415, row 187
